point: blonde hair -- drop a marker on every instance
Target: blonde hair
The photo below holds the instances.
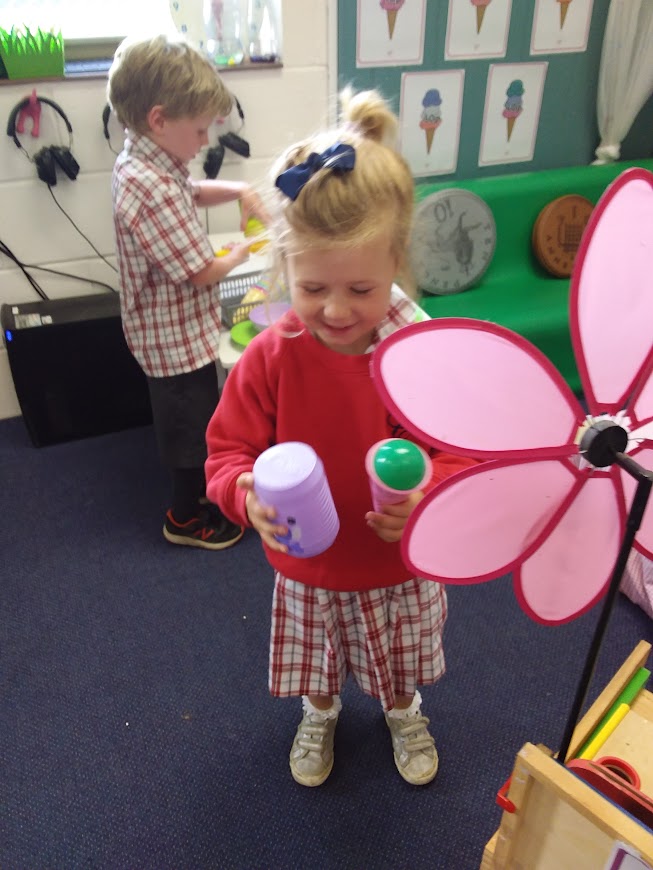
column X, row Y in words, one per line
column 163, row 72
column 349, row 208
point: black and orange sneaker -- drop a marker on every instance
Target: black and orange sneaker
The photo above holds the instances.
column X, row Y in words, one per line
column 209, row 530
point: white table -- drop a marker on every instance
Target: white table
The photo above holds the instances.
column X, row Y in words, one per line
column 255, row 263
column 228, row 353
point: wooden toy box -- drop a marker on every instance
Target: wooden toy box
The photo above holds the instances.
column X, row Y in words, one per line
column 561, row 823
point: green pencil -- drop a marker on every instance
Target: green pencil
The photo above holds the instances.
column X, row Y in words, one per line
column 627, row 696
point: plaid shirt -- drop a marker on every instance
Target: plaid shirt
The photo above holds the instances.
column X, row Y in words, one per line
column 171, row 326
column 402, row 312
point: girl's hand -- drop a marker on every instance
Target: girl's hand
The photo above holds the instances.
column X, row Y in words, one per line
column 389, row 523
column 261, row 517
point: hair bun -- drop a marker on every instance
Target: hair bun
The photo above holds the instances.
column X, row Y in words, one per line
column 370, row 114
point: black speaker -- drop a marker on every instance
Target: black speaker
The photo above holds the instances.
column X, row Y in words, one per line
column 73, row 372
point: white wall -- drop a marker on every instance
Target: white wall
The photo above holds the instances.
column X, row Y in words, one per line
column 280, row 106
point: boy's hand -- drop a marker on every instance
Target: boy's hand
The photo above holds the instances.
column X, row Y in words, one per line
column 389, row 524
column 251, row 205
column 220, row 267
column 262, row 518
column 239, row 253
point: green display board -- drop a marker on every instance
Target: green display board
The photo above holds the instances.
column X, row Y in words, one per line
column 567, row 133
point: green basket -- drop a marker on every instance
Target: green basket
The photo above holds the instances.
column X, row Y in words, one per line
column 28, row 54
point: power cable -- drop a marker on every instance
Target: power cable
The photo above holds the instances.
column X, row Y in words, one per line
column 65, row 213
column 6, row 250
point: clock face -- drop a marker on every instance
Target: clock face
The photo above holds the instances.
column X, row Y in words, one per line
column 557, row 233
column 452, row 242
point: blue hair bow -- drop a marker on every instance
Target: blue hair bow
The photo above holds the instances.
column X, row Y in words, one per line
column 340, row 157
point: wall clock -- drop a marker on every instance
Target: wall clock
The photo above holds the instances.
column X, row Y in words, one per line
column 557, row 233
column 453, row 241
column 188, row 18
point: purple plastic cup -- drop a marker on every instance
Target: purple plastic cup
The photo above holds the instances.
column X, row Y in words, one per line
column 290, row 478
column 412, row 470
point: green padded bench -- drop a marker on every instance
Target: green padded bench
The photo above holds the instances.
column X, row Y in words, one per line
column 515, row 291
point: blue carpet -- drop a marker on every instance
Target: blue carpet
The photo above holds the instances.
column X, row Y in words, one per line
column 137, row 731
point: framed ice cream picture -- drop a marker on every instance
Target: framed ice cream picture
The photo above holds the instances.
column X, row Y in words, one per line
column 477, row 28
column 390, row 32
column 560, row 26
column 513, row 99
column 429, row 120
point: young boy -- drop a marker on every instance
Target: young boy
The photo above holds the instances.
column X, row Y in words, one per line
column 166, row 94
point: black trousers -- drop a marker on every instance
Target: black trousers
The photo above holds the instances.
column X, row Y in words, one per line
column 182, row 406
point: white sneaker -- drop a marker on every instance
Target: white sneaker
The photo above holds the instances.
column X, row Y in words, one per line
column 311, row 756
column 415, row 754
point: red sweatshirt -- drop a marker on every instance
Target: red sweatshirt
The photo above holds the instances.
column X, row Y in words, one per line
column 295, row 389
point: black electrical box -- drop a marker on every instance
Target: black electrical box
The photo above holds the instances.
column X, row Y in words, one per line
column 73, row 372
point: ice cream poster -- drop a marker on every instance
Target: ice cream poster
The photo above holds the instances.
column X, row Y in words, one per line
column 625, row 857
column 477, row 28
column 429, row 120
column 560, row 25
column 390, row 32
column 513, row 99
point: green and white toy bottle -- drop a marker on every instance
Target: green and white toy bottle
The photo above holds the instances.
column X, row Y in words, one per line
column 396, row 468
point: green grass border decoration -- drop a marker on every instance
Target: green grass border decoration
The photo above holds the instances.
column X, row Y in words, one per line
column 28, row 54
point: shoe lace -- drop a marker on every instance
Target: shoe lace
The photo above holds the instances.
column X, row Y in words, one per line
column 413, row 734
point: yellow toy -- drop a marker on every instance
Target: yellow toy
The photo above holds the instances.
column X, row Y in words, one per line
column 254, row 227
column 256, row 294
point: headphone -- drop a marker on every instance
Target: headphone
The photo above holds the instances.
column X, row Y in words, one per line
column 106, row 114
column 214, row 155
column 49, row 157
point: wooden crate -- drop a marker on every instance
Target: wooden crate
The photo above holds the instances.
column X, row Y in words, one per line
column 559, row 822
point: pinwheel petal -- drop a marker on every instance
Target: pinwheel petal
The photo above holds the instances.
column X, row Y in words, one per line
column 479, row 523
column 476, row 388
column 611, row 308
column 641, row 406
column 644, row 537
column 569, row 572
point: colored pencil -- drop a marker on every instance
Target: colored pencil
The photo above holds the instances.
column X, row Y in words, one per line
column 627, row 696
column 602, row 734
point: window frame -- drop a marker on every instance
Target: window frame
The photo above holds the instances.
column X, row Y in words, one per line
column 94, row 48
column 94, row 54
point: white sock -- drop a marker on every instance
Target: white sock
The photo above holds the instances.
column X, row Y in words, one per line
column 331, row 713
column 412, row 710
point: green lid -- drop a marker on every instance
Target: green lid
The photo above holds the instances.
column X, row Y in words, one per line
column 399, row 464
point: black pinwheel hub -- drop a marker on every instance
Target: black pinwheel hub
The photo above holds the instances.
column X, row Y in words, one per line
column 601, row 441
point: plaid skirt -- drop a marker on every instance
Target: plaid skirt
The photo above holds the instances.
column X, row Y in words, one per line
column 637, row 581
column 389, row 639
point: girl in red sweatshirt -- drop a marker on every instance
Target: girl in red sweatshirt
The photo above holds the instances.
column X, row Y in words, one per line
column 341, row 220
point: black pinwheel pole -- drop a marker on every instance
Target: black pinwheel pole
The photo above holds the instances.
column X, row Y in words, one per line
column 603, row 444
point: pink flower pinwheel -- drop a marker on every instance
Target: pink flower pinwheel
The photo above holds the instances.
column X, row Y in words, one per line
column 536, row 508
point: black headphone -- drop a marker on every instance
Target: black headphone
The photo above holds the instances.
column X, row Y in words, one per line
column 215, row 154
column 106, row 114
column 48, row 158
